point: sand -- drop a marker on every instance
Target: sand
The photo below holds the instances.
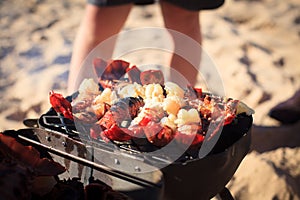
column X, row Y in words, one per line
column 254, row 45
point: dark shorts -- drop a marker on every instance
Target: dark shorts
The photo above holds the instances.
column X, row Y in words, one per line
column 194, row 5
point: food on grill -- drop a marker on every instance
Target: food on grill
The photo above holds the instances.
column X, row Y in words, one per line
column 133, row 104
column 109, row 126
column 110, row 72
column 87, row 106
column 61, row 105
column 20, row 166
column 29, row 157
column 97, row 189
column 74, row 189
column 22, row 169
column 152, row 76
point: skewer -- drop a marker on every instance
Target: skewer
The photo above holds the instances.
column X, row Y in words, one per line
column 99, row 167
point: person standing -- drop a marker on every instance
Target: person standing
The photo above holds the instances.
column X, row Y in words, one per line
column 105, row 18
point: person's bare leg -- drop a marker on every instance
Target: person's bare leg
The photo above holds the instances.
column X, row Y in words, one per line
column 188, row 23
column 98, row 24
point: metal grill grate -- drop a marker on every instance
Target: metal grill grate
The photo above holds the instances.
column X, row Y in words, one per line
column 54, row 122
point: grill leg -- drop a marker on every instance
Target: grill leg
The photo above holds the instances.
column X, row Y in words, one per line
column 225, row 194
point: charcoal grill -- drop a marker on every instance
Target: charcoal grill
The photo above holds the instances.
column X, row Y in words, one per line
column 186, row 178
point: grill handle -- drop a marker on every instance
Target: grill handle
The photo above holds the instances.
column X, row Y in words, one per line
column 33, row 123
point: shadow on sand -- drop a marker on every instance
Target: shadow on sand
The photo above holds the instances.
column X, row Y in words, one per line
column 268, row 138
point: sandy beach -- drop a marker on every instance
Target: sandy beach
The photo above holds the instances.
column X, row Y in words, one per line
column 254, row 44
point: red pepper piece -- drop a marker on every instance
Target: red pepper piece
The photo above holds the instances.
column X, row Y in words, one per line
column 134, row 74
column 186, row 139
column 138, row 131
column 95, row 131
column 115, row 70
column 198, row 92
column 108, row 72
column 60, row 104
column 99, row 66
column 118, row 134
column 158, row 135
column 152, row 76
column 145, row 121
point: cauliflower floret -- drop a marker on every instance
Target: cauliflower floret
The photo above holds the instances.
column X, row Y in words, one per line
column 88, row 86
column 104, row 97
column 154, row 100
column 154, row 109
column 88, row 90
column 172, row 89
column 132, row 90
column 187, row 117
column 151, row 108
column 172, row 104
column 188, row 129
column 98, row 104
column 98, row 109
column 114, row 97
column 154, row 91
column 169, row 121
